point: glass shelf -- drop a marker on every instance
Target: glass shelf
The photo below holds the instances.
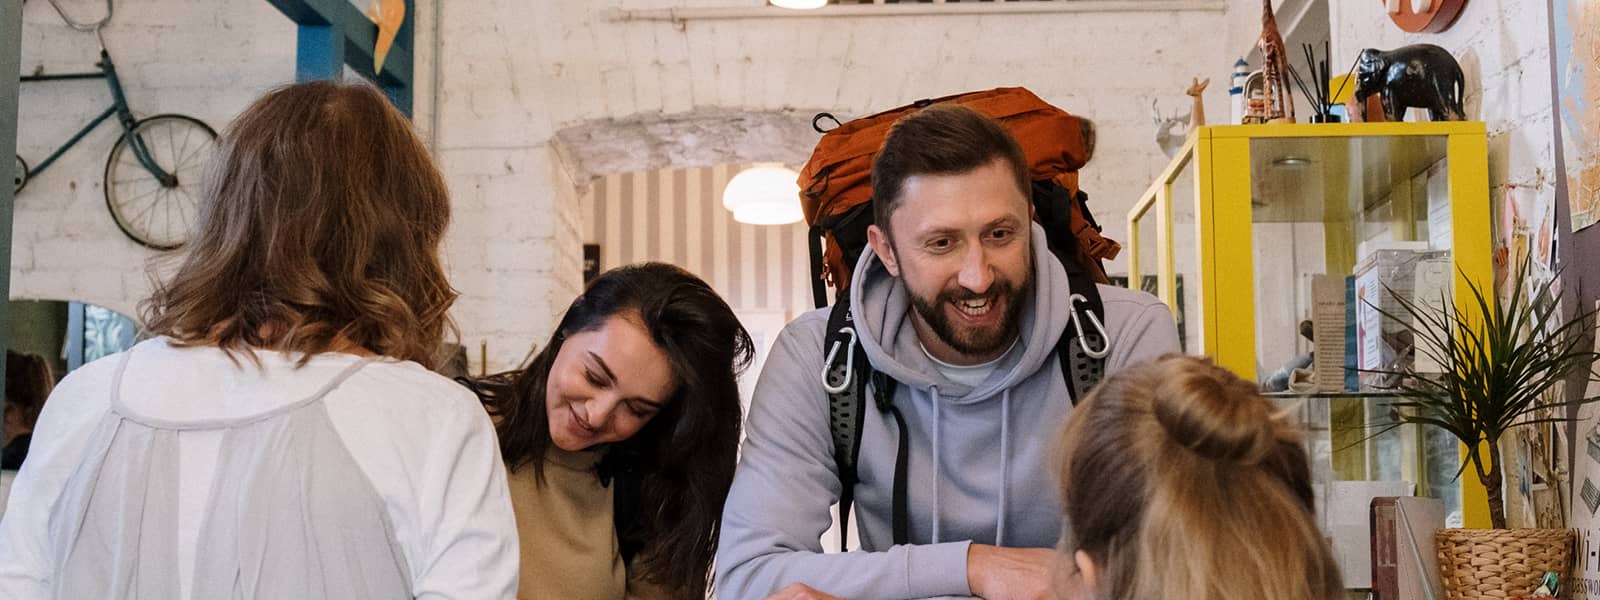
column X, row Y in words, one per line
column 1267, row 239
column 1330, row 395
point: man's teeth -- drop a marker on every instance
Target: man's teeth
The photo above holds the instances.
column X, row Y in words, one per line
column 974, row 308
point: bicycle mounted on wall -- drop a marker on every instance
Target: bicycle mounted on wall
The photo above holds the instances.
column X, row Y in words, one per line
column 152, row 174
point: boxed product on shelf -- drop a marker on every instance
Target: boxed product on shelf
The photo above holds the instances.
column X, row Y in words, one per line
column 1385, row 275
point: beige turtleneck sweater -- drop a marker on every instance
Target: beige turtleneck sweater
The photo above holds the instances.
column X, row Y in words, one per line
column 568, row 537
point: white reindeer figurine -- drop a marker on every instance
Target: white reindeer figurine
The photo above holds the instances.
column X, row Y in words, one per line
column 1171, row 131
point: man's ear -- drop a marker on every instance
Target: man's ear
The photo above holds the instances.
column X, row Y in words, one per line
column 879, row 240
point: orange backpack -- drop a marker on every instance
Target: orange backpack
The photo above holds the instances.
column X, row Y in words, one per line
column 836, row 183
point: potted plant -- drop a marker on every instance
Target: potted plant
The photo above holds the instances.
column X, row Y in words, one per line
column 1499, row 361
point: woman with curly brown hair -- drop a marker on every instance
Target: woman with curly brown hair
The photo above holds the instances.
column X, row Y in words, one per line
column 279, row 438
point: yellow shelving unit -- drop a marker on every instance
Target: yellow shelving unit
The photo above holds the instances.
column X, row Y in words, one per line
column 1244, row 213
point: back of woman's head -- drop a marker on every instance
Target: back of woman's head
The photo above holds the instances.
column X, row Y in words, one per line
column 1181, row 481
column 28, row 383
column 320, row 224
column 682, row 461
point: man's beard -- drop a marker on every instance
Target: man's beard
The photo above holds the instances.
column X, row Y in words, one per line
column 974, row 341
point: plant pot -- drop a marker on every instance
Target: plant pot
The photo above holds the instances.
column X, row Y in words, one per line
column 1500, row 563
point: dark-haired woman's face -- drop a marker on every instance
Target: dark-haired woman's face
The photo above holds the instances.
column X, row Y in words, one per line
column 606, row 384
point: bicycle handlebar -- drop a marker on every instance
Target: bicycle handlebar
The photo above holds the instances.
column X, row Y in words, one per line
column 85, row 27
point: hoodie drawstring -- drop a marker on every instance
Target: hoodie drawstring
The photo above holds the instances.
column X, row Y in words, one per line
column 937, row 466
column 1005, row 466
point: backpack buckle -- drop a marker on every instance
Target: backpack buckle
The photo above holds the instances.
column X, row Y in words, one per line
column 849, row 365
column 1077, row 323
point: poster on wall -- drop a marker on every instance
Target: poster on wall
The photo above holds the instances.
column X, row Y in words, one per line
column 1584, row 507
column 1577, row 57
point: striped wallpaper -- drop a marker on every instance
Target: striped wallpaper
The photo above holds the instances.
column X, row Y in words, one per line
column 676, row 216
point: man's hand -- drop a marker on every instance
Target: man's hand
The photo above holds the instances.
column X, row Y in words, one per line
column 800, row 591
column 996, row 573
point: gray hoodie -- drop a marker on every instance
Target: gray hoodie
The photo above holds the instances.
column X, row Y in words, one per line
column 979, row 456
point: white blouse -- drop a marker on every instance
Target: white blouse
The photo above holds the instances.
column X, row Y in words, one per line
column 423, row 442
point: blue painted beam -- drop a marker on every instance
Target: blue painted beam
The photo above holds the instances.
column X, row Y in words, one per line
column 319, row 53
column 334, row 33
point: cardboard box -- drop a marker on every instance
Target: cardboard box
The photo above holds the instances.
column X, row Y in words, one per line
column 1328, row 327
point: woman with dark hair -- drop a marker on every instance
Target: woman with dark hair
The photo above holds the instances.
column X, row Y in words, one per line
column 621, row 438
column 28, row 383
column 279, row 438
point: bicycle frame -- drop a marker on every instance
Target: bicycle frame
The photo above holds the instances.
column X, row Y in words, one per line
column 119, row 108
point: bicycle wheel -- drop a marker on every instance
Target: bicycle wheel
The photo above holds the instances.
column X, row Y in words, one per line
column 19, row 177
column 159, row 214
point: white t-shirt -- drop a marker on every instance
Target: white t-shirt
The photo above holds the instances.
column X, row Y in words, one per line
column 967, row 375
column 424, row 442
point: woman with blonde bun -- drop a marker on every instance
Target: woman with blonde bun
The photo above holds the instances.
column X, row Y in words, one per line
column 1180, row 480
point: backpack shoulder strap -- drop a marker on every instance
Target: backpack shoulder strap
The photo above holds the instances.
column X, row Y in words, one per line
column 1082, row 348
column 846, row 374
column 849, row 381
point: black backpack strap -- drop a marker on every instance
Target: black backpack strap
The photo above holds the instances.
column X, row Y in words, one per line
column 845, row 379
column 1082, row 348
column 883, row 393
column 819, row 292
column 849, row 378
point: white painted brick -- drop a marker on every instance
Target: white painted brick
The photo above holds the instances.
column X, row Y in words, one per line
column 1504, row 51
column 703, row 65
column 515, row 72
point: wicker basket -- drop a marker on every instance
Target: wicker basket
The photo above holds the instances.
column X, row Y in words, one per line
column 1500, row 563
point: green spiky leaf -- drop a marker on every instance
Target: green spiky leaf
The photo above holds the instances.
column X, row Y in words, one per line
column 1499, row 361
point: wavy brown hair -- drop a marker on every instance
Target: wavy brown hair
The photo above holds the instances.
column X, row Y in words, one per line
column 1180, row 480
column 320, row 226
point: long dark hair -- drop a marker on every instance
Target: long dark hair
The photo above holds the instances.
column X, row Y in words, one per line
column 676, row 470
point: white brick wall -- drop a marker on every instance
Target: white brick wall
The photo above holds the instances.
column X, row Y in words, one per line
column 517, row 73
column 202, row 59
column 513, row 73
column 1504, row 50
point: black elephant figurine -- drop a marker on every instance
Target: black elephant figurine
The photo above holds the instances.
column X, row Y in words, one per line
column 1417, row 76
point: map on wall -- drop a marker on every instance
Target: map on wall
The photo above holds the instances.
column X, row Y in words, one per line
column 1577, row 55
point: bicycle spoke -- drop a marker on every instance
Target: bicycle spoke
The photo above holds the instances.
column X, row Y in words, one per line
column 133, row 219
column 136, row 180
column 171, row 143
column 168, row 230
column 149, row 213
column 181, row 155
column 193, row 203
column 133, row 179
column 130, row 201
column 187, row 225
column 166, row 208
column 198, row 150
column 131, row 161
column 153, row 188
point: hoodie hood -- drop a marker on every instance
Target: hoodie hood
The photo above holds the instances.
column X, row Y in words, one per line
column 882, row 312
